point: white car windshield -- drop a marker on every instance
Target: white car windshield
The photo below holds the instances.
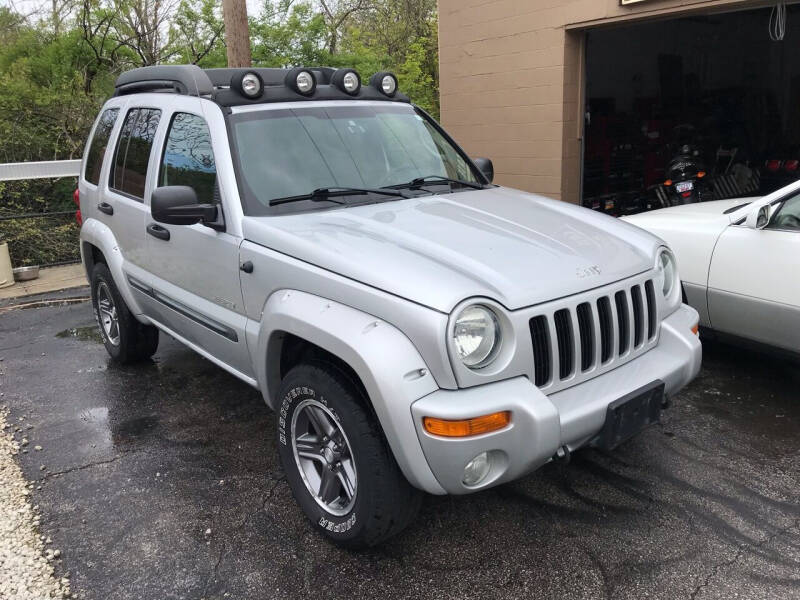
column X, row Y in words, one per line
column 282, row 153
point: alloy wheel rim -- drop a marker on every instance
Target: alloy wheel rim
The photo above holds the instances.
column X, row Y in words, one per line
column 324, row 458
column 107, row 314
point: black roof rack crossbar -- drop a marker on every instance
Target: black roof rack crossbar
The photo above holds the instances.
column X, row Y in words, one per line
column 183, row 79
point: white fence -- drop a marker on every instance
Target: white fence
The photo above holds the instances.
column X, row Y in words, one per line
column 40, row 170
column 43, row 238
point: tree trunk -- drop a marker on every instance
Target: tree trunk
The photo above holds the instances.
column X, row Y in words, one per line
column 237, row 33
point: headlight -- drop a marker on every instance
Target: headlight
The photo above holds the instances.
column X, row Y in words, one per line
column 477, row 336
column 666, row 264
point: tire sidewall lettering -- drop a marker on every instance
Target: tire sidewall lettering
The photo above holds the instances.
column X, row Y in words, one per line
column 331, row 524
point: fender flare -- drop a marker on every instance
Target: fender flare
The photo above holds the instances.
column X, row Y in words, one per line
column 389, row 366
column 98, row 234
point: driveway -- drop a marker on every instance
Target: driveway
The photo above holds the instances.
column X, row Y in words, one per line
column 162, row 481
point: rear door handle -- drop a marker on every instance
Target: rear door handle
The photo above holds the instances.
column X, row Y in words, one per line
column 158, row 231
column 105, row 207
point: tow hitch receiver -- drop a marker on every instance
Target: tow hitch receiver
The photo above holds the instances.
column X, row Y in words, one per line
column 631, row 414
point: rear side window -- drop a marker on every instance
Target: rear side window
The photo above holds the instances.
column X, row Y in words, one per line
column 129, row 171
column 97, row 146
column 188, row 158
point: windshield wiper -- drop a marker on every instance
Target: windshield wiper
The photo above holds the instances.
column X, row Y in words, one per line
column 330, row 193
column 428, row 179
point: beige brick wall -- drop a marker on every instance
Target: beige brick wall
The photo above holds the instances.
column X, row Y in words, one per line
column 510, row 80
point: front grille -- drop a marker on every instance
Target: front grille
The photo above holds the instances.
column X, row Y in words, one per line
column 565, row 342
column 540, row 336
column 586, row 330
column 575, row 339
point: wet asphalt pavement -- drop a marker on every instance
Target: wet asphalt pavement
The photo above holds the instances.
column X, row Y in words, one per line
column 141, row 461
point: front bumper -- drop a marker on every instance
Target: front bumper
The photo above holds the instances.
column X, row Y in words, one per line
column 541, row 424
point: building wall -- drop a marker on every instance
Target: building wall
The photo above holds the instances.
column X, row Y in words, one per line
column 511, row 80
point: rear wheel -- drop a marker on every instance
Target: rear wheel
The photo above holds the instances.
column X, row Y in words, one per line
column 337, row 463
column 126, row 339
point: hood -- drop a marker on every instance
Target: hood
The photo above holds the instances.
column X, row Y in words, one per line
column 695, row 212
column 699, row 216
column 516, row 248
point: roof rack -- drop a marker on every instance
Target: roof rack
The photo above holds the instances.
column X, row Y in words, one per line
column 270, row 76
column 215, row 84
column 182, row 79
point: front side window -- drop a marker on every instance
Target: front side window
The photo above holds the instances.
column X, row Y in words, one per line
column 787, row 216
column 129, row 171
column 188, row 158
column 97, row 146
column 289, row 152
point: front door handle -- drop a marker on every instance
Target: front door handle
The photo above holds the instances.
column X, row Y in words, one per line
column 105, row 207
column 158, row 231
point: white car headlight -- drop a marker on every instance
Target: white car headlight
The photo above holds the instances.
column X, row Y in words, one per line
column 476, row 336
column 669, row 272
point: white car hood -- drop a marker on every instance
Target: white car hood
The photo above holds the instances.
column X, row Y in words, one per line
column 694, row 213
column 516, row 248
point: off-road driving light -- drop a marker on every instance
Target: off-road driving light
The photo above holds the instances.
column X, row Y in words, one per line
column 347, row 80
column 385, row 82
column 477, row 469
column 301, row 81
column 467, row 427
column 666, row 264
column 249, row 84
column 476, row 336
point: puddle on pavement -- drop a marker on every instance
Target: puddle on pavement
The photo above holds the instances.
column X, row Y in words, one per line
column 96, row 421
column 132, row 429
column 85, row 334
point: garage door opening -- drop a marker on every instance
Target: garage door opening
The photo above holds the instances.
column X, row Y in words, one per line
column 691, row 109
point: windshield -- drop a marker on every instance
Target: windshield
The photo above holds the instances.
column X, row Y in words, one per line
column 294, row 151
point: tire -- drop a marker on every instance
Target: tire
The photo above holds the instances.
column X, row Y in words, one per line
column 126, row 339
column 383, row 503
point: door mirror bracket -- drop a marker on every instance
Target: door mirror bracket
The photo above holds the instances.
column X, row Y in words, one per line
column 178, row 205
column 758, row 219
column 486, row 167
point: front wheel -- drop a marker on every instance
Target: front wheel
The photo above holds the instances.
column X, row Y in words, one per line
column 126, row 339
column 337, row 463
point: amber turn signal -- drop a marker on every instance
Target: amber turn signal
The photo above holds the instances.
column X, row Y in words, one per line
column 701, row 174
column 696, row 329
column 467, row 427
column 668, row 182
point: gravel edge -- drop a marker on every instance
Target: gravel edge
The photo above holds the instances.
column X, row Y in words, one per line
column 26, row 572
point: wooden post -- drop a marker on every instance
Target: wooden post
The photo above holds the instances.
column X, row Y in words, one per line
column 237, row 33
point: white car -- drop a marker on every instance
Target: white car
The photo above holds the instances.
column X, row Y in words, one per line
column 740, row 264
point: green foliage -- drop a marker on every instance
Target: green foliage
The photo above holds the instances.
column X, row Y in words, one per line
column 56, row 72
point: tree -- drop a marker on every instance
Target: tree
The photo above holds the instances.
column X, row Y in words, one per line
column 336, row 14
column 237, row 33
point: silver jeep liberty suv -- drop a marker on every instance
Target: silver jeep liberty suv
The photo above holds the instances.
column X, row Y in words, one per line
column 415, row 328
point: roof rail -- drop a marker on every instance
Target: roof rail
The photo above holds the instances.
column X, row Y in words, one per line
column 182, row 79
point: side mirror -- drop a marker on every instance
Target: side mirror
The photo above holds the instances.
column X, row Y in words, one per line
column 486, row 167
column 758, row 219
column 177, row 205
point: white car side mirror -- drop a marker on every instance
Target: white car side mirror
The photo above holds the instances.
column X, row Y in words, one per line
column 758, row 219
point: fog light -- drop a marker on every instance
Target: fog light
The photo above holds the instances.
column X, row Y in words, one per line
column 477, row 469
column 305, row 82
column 385, row 82
column 249, row 84
column 346, row 80
column 301, row 81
